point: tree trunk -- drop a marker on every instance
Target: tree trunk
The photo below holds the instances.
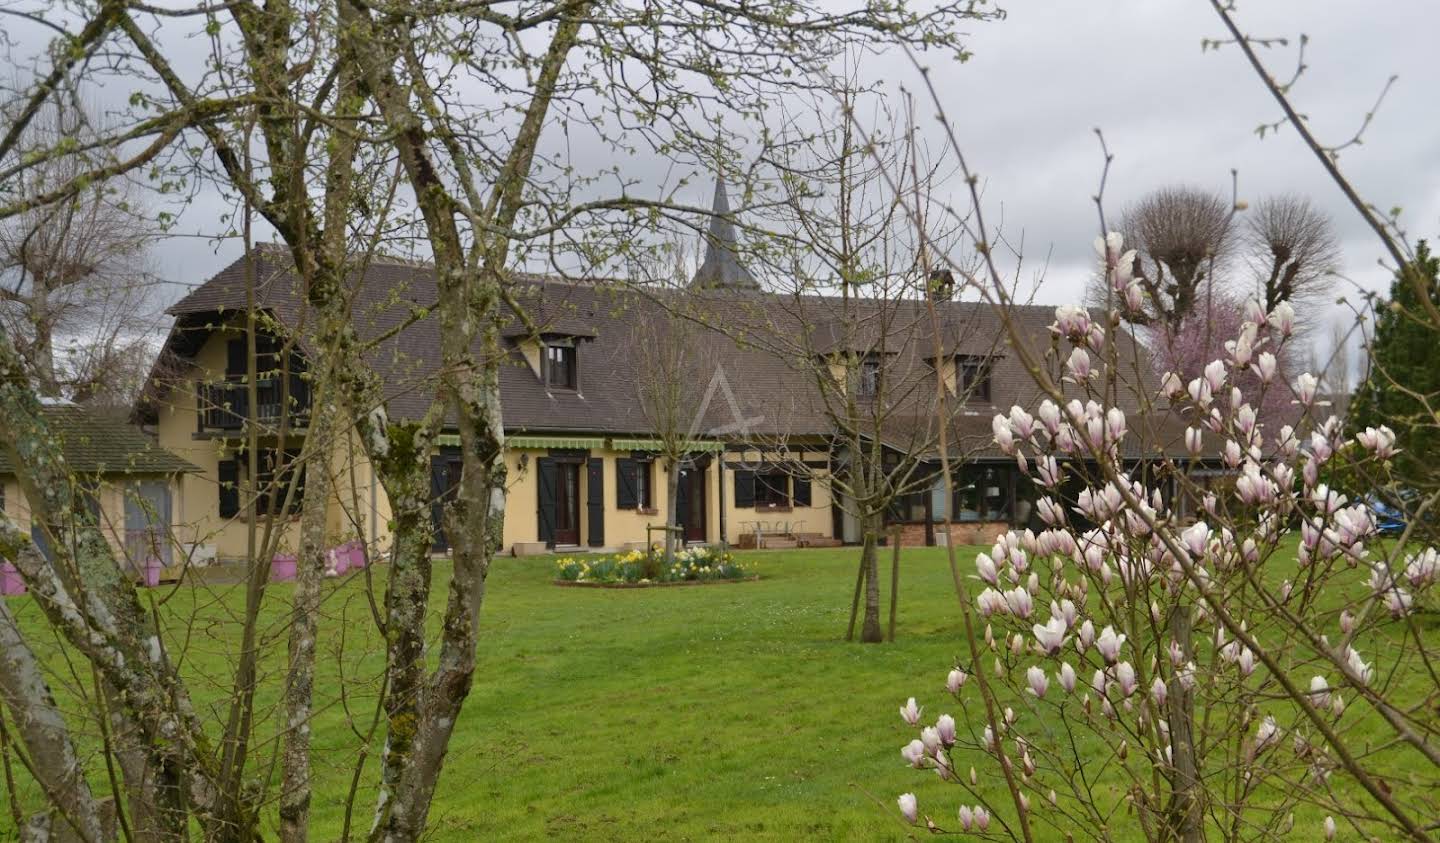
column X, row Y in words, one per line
column 42, row 729
column 672, row 517
column 870, row 632
column 894, row 579
column 42, row 348
column 304, row 620
column 1186, row 809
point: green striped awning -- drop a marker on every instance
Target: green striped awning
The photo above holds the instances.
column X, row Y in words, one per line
column 581, row 442
column 656, row 445
column 523, row 441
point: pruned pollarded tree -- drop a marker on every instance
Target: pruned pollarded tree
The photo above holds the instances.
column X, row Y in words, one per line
column 1179, row 234
column 1291, row 248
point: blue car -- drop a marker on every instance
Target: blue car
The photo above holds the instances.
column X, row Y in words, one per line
column 1388, row 520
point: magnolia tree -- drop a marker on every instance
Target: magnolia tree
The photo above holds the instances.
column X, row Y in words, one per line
column 1253, row 670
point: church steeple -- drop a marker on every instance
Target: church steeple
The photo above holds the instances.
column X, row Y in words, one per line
column 721, row 268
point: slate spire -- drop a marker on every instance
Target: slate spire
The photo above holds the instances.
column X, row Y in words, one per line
column 721, row 269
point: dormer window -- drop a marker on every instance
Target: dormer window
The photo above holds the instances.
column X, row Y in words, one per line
column 974, row 378
column 869, row 383
column 560, row 368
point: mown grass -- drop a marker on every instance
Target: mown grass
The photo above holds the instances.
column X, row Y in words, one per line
column 732, row 711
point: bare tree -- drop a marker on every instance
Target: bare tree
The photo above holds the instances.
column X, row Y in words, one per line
column 850, row 313
column 1291, row 248
column 305, row 116
column 74, row 275
column 670, row 374
column 1179, row 235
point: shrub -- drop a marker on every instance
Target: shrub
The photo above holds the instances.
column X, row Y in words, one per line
column 695, row 564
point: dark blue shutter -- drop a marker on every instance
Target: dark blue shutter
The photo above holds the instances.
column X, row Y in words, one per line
column 744, row 488
column 627, row 493
column 229, row 476
column 546, row 475
column 439, row 485
column 802, row 490
column 235, row 354
column 595, row 501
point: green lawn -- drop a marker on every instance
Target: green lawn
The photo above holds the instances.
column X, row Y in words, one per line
column 732, row 710
column 713, row 712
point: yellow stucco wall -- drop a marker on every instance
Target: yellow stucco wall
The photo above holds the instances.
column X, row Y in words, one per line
column 111, row 496
column 360, row 508
column 815, row 518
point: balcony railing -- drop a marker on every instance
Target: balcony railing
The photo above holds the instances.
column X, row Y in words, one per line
column 225, row 407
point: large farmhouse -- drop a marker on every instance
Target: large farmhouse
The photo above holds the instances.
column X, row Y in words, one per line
column 581, row 450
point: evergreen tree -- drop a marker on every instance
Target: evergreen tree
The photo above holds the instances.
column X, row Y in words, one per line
column 1402, row 388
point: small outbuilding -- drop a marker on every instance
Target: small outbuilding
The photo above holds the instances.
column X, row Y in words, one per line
column 129, row 482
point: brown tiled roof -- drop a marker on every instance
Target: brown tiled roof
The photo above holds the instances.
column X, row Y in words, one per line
column 763, row 344
column 96, row 443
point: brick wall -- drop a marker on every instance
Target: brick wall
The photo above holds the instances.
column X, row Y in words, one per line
column 977, row 532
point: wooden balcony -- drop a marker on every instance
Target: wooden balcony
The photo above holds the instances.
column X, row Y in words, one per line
column 225, row 407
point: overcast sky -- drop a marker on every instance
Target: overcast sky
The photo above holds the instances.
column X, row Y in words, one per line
column 1024, row 108
column 1042, row 79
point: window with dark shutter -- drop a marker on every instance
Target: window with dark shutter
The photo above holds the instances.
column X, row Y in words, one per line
column 595, row 501
column 772, row 489
column 560, row 370
column 229, row 476
column 627, row 493
column 276, row 471
column 975, row 380
column 869, row 385
column 546, row 475
column 644, row 484
column 744, row 489
column 802, row 490
column 235, row 354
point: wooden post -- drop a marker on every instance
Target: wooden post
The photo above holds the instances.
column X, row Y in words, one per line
column 894, row 577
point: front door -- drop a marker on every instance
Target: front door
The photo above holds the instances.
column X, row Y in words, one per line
column 690, row 503
column 567, row 503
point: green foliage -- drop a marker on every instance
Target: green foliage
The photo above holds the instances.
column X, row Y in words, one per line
column 1403, row 389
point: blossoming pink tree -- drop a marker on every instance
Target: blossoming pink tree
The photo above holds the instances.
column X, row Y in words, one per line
column 1232, row 675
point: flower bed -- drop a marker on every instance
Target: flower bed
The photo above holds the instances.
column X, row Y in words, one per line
column 691, row 566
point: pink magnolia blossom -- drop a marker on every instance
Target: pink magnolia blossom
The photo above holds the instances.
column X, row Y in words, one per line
column 930, row 740
column 1109, row 644
column 1125, row 678
column 1380, row 441
column 1067, row 678
column 910, row 712
column 1282, row 318
column 1078, row 366
column 1038, row 681
column 1020, row 602
column 955, row 680
column 945, row 727
column 909, row 808
column 913, row 753
column 1051, row 636
column 985, row 567
column 1266, row 734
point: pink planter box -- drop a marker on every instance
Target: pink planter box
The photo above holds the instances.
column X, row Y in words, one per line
column 282, row 568
column 349, row 556
column 10, row 581
column 153, row 567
